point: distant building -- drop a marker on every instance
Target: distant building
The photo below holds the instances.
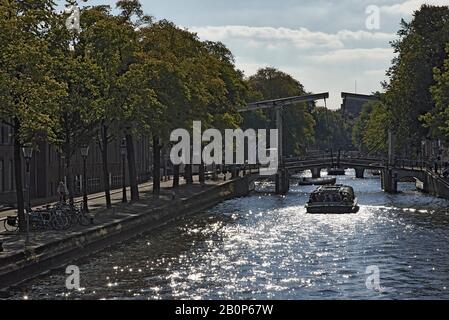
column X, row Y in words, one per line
column 353, row 103
column 352, row 108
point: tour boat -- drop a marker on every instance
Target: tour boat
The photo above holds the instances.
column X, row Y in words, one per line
column 317, row 182
column 338, row 199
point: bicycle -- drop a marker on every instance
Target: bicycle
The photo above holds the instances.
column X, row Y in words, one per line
column 73, row 214
column 79, row 216
column 40, row 220
column 37, row 221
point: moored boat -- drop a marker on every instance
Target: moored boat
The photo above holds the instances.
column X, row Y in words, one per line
column 317, row 181
column 338, row 199
column 336, row 172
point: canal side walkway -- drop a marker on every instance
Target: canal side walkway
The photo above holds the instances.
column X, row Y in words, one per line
column 50, row 249
column 96, row 201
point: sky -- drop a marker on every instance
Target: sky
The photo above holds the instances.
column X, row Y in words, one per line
column 328, row 45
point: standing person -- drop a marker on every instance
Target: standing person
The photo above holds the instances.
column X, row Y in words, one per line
column 62, row 191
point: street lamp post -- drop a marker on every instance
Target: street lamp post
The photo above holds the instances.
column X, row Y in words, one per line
column 84, row 154
column 63, row 165
column 123, row 153
column 28, row 154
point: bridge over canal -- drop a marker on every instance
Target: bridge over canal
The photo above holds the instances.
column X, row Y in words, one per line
column 391, row 174
column 391, row 170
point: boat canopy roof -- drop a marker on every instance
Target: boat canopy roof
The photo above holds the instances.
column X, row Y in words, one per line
column 335, row 189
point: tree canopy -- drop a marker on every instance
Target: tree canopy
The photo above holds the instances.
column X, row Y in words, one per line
column 420, row 49
column 269, row 83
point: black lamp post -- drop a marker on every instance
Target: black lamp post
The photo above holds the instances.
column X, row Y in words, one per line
column 84, row 154
column 28, row 154
column 63, row 165
column 123, row 153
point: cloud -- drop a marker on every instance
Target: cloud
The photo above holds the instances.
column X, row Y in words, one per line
column 351, row 55
column 376, row 72
column 360, row 35
column 301, row 38
column 320, row 61
column 408, row 7
column 249, row 67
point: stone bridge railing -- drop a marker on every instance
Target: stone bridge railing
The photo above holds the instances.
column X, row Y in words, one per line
column 368, row 163
column 351, row 162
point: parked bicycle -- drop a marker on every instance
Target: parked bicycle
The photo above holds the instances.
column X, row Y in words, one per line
column 61, row 216
column 44, row 219
column 73, row 213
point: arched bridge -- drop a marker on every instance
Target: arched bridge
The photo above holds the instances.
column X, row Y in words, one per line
column 317, row 164
column 391, row 174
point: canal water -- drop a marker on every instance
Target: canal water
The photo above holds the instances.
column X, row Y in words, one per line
column 267, row 247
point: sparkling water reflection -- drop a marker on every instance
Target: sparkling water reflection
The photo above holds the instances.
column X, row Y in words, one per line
column 267, row 247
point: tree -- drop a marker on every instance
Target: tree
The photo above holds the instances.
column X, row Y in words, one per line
column 127, row 102
column 370, row 130
column 375, row 136
column 359, row 127
column 420, row 49
column 298, row 122
column 193, row 80
column 331, row 131
column 227, row 91
column 79, row 113
column 438, row 119
column 29, row 92
column 173, row 49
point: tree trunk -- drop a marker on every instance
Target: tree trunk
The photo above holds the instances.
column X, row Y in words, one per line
column 69, row 178
column 201, row 170
column 188, row 174
column 18, row 178
column 156, row 167
column 176, row 176
column 202, row 177
column 104, row 146
column 132, row 167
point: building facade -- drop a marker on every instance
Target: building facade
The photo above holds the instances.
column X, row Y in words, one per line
column 7, row 183
column 47, row 168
